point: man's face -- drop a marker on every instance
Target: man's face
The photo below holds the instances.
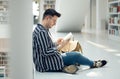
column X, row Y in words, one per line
column 52, row 21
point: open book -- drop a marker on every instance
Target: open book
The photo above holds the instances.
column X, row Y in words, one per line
column 69, row 44
column 66, row 39
column 69, row 36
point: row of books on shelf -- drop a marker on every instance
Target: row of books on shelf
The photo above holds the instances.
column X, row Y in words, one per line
column 112, row 0
column 49, row 4
column 1, row 75
column 2, row 72
column 114, row 9
column 114, row 20
column 114, row 32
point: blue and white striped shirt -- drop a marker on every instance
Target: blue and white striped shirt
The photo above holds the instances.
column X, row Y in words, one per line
column 45, row 54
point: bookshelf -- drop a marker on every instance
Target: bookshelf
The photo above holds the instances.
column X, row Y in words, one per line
column 3, row 11
column 114, row 19
column 49, row 4
column 2, row 72
column 3, row 65
column 4, row 68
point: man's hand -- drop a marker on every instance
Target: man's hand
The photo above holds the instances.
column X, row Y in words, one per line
column 59, row 41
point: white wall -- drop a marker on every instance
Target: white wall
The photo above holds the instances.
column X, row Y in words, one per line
column 21, row 24
column 73, row 14
column 41, row 9
column 93, row 25
column 90, row 20
column 77, row 12
column 101, row 13
column 4, row 31
column 98, row 15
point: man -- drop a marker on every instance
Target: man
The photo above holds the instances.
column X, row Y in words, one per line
column 46, row 56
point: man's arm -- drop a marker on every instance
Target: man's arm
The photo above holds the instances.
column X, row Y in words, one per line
column 44, row 44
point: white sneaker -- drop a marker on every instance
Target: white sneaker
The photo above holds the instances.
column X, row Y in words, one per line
column 99, row 63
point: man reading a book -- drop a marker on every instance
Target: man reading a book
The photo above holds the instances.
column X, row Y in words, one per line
column 46, row 56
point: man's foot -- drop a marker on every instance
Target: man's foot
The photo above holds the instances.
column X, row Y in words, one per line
column 71, row 69
column 99, row 63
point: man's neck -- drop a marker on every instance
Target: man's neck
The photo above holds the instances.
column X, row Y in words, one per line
column 44, row 24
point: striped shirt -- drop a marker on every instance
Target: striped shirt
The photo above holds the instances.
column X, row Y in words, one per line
column 45, row 54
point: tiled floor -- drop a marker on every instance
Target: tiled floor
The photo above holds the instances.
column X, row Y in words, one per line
column 95, row 46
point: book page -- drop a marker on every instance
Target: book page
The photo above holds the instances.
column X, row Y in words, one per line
column 68, row 36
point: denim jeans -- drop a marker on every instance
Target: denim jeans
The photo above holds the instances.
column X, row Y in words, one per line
column 71, row 58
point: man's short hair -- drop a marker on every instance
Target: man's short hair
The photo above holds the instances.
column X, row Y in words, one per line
column 51, row 12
